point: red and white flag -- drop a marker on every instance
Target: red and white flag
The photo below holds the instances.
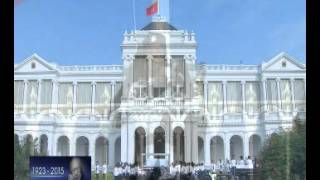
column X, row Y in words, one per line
column 152, row 9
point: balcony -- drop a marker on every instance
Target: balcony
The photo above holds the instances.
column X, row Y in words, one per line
column 160, row 104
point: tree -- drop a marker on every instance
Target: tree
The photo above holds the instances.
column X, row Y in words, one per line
column 22, row 152
column 283, row 155
column 298, row 149
column 273, row 157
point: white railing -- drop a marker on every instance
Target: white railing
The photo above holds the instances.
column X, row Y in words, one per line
column 160, row 102
column 92, row 68
column 221, row 67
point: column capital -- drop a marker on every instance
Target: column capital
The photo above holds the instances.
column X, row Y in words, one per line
column 243, row 82
column 74, row 83
column 26, row 81
column 263, row 79
column 93, row 83
column 205, row 82
column 39, row 81
column 224, row 82
column 113, row 83
column 188, row 57
column 291, row 80
column 128, row 57
column 278, row 79
column 55, row 81
column 149, row 57
column 168, row 57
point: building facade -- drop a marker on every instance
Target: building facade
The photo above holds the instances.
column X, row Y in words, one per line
column 160, row 100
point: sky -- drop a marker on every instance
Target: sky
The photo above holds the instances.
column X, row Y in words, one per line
column 83, row 32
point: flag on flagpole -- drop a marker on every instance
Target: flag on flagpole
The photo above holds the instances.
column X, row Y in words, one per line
column 152, row 9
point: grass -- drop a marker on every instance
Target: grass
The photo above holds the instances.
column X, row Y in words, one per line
column 109, row 176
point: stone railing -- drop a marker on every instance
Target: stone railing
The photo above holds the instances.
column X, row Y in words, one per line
column 92, row 68
column 222, row 67
column 160, row 102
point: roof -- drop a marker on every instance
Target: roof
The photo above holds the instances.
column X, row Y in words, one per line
column 159, row 26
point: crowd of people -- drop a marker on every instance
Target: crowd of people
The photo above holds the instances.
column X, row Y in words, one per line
column 179, row 170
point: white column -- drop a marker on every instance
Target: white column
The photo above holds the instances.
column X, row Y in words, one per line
column 149, row 59
column 205, row 89
column 150, row 144
column 194, row 144
column 93, row 97
column 264, row 96
column 171, row 145
column 113, row 83
column 224, row 85
column 124, row 140
column 92, row 152
column 111, row 151
column 39, row 96
column 292, row 94
column 73, row 147
column 207, row 151
column 279, row 95
column 74, row 102
column 187, row 144
column 50, row 144
column 130, row 147
column 245, row 146
column 54, row 103
column 54, row 145
column 168, row 74
column 227, row 147
column 243, row 98
column 25, row 95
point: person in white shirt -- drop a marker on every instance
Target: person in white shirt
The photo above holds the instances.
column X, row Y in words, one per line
column 202, row 167
column 172, row 169
column 97, row 169
column 226, row 166
column 233, row 166
column 249, row 162
column 116, row 171
column 140, row 171
column 233, row 163
column 241, row 162
column 127, row 169
column 104, row 170
column 178, row 168
column 133, row 170
column 195, row 169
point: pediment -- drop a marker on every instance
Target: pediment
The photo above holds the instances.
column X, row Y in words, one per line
column 282, row 62
column 34, row 63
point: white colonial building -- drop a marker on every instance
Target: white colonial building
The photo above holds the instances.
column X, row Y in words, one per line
column 160, row 100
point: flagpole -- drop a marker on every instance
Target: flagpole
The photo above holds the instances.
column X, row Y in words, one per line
column 158, row 8
column 134, row 14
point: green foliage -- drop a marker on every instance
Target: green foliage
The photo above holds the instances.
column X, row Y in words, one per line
column 283, row 155
column 22, row 152
column 298, row 149
column 100, row 176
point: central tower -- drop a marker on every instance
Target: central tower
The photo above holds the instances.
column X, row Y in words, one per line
column 158, row 93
